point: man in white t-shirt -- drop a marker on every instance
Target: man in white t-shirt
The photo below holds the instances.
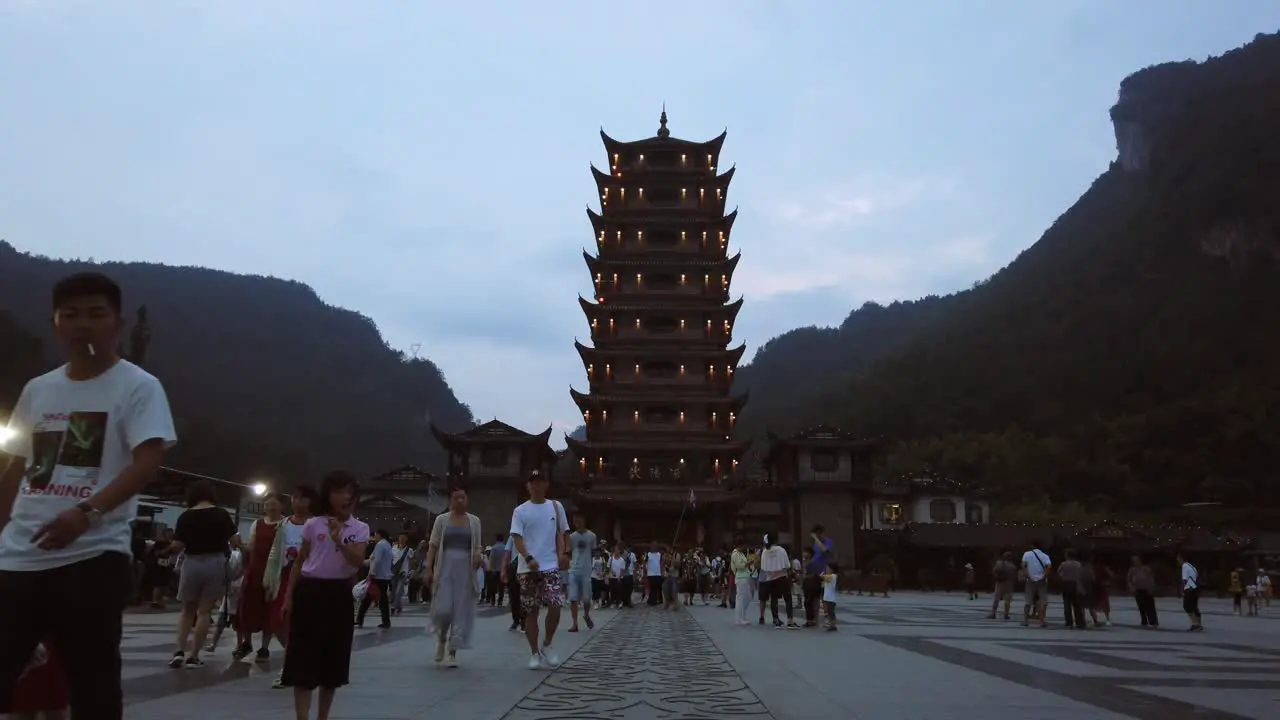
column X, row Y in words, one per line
column 84, row 440
column 539, row 532
column 1035, row 565
column 653, row 573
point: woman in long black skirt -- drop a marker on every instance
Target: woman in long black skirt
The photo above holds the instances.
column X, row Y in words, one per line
column 321, row 623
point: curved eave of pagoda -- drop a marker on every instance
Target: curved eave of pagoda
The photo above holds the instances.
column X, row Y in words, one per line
column 731, row 264
column 591, row 309
column 735, row 354
column 577, row 447
column 602, row 178
column 726, row 177
column 544, row 439
column 597, row 222
column 584, row 401
column 584, row 352
column 612, row 145
column 597, row 264
column 733, row 309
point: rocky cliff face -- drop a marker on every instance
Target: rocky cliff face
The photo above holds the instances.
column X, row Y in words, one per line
column 1156, row 96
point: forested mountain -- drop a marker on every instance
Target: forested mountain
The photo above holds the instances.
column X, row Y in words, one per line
column 263, row 376
column 1128, row 359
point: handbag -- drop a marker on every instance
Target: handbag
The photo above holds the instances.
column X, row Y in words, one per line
column 362, row 587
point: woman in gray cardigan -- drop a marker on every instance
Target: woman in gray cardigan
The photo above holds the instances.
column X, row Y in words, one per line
column 453, row 554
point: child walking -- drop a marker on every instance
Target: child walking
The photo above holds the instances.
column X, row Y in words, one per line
column 829, row 595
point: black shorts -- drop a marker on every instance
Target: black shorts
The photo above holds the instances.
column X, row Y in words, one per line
column 1191, row 601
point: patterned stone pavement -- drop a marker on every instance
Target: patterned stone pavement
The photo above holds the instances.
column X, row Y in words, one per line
column 652, row 665
column 908, row 656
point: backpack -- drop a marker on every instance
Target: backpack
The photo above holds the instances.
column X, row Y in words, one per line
column 1002, row 571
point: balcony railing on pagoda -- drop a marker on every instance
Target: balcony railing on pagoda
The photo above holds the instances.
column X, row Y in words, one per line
column 625, row 476
column 687, row 383
column 622, row 333
column 707, row 200
column 629, row 424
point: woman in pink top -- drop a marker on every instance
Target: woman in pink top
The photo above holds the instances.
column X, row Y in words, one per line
column 318, row 605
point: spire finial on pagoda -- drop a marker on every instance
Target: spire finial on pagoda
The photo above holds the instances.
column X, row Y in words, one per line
column 662, row 123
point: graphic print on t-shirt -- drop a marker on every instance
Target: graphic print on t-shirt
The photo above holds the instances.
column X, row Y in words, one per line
column 83, row 440
column 44, row 458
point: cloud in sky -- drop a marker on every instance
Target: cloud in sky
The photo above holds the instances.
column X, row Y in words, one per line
column 427, row 164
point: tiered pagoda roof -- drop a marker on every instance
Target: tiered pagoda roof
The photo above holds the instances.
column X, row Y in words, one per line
column 662, row 272
column 730, row 356
column 492, row 432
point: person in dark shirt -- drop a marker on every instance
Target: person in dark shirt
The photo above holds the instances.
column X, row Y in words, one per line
column 205, row 533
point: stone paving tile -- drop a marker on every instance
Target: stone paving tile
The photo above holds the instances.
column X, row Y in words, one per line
column 648, row 664
column 908, row 656
column 393, row 677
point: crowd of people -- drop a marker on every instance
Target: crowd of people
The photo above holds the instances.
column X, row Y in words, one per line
column 87, row 437
column 1086, row 588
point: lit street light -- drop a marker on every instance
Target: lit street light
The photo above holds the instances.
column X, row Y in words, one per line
column 259, row 489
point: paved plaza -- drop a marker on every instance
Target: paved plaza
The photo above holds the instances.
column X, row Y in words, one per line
column 909, row 656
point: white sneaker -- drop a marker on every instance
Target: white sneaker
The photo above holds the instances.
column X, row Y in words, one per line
column 535, row 662
column 550, row 657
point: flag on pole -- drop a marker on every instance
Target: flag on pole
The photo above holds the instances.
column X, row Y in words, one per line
column 693, row 499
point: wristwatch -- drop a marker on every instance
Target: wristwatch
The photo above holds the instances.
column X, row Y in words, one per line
column 528, row 558
column 92, row 513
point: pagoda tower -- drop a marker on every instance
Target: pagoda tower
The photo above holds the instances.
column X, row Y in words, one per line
column 659, row 456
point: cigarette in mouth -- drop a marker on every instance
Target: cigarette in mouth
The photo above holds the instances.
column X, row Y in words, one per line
column 92, row 352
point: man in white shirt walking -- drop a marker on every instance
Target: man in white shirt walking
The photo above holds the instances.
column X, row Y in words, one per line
column 1035, row 565
column 85, row 439
column 1191, row 593
column 539, row 532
